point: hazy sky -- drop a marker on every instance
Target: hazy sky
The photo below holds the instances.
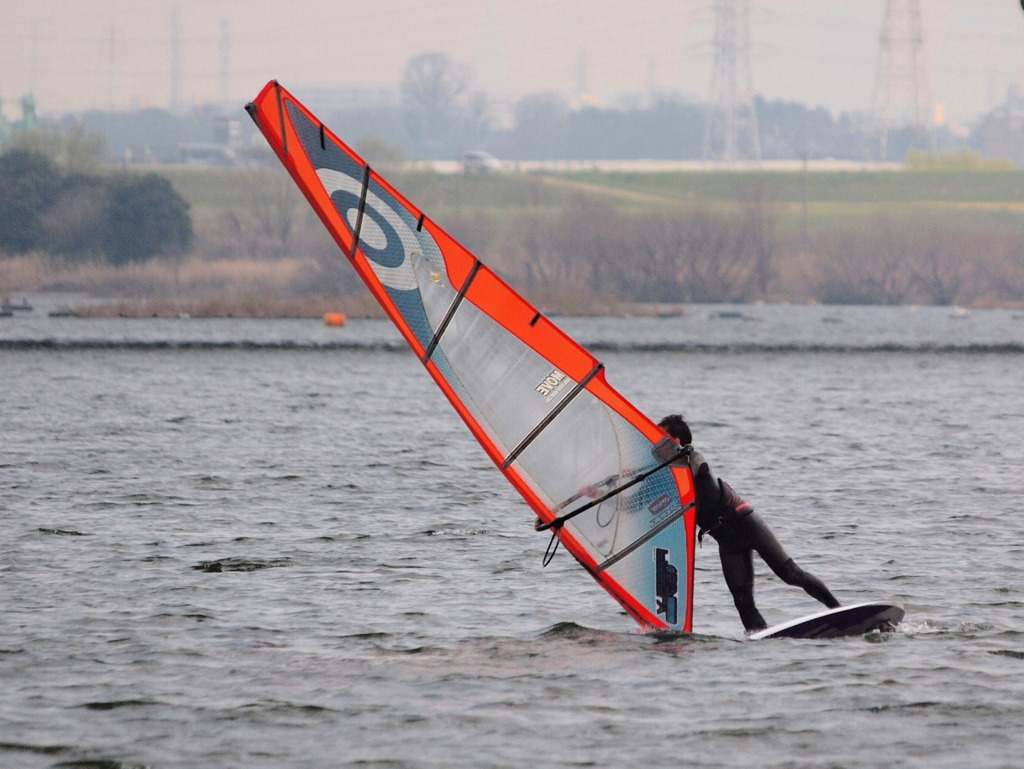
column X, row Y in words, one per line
column 76, row 54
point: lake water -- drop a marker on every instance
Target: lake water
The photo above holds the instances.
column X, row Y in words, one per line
column 273, row 544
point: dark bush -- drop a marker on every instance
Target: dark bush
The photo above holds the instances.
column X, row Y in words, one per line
column 146, row 218
column 29, row 184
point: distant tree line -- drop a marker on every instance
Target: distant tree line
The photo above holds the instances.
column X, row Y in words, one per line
column 440, row 115
column 926, row 259
column 120, row 217
column 548, row 126
column 590, row 255
column 444, row 117
column 579, row 252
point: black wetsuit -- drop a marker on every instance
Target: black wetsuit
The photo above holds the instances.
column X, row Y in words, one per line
column 739, row 531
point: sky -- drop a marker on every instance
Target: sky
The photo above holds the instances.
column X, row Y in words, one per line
column 119, row 54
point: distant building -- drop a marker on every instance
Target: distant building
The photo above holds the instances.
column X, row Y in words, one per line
column 1001, row 133
column 28, row 119
column 220, row 152
column 227, row 131
column 206, row 155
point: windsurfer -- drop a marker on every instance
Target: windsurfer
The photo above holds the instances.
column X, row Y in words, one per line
column 739, row 531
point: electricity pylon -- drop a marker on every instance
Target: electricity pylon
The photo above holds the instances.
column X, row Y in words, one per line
column 730, row 130
column 901, row 85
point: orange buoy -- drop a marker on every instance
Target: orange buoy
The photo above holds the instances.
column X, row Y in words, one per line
column 335, row 319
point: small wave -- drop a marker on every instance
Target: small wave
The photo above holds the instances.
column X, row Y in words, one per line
column 42, row 750
column 452, row 531
column 412, row 650
column 571, row 631
column 404, row 646
column 669, row 637
column 197, row 616
column 929, row 627
column 504, row 567
column 240, row 564
column 288, row 708
column 61, row 532
column 117, row 704
column 1012, row 653
column 96, row 763
column 923, row 705
column 568, row 630
column 370, row 635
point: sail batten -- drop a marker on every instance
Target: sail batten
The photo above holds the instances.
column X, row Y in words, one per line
column 361, row 209
column 642, row 540
column 557, row 378
column 536, row 401
column 443, row 326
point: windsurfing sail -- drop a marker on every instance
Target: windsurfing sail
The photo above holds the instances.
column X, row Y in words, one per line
column 589, row 464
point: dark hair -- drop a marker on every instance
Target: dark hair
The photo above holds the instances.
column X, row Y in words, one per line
column 676, row 426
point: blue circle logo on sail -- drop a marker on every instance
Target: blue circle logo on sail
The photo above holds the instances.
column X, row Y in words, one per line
column 377, row 237
column 385, row 237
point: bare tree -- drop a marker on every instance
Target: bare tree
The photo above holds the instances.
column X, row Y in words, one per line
column 942, row 265
column 870, row 265
column 759, row 218
column 659, row 240
column 719, row 263
column 432, row 87
column 264, row 227
column 73, row 225
column 1000, row 275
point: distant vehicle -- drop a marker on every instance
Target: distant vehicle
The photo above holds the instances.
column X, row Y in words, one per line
column 478, row 162
column 207, row 155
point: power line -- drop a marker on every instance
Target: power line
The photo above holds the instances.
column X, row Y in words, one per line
column 175, row 60
column 225, row 62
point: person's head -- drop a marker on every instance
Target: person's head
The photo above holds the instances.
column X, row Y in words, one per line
column 676, row 426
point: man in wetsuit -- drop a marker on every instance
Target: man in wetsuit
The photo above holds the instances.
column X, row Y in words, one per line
column 739, row 531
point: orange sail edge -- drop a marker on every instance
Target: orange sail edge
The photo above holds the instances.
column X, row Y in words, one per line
column 646, row 620
column 492, row 296
column 280, row 134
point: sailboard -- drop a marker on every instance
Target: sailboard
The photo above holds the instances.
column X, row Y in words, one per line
column 842, row 621
column 595, row 470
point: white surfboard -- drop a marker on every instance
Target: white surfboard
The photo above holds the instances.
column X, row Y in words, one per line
column 857, row 619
